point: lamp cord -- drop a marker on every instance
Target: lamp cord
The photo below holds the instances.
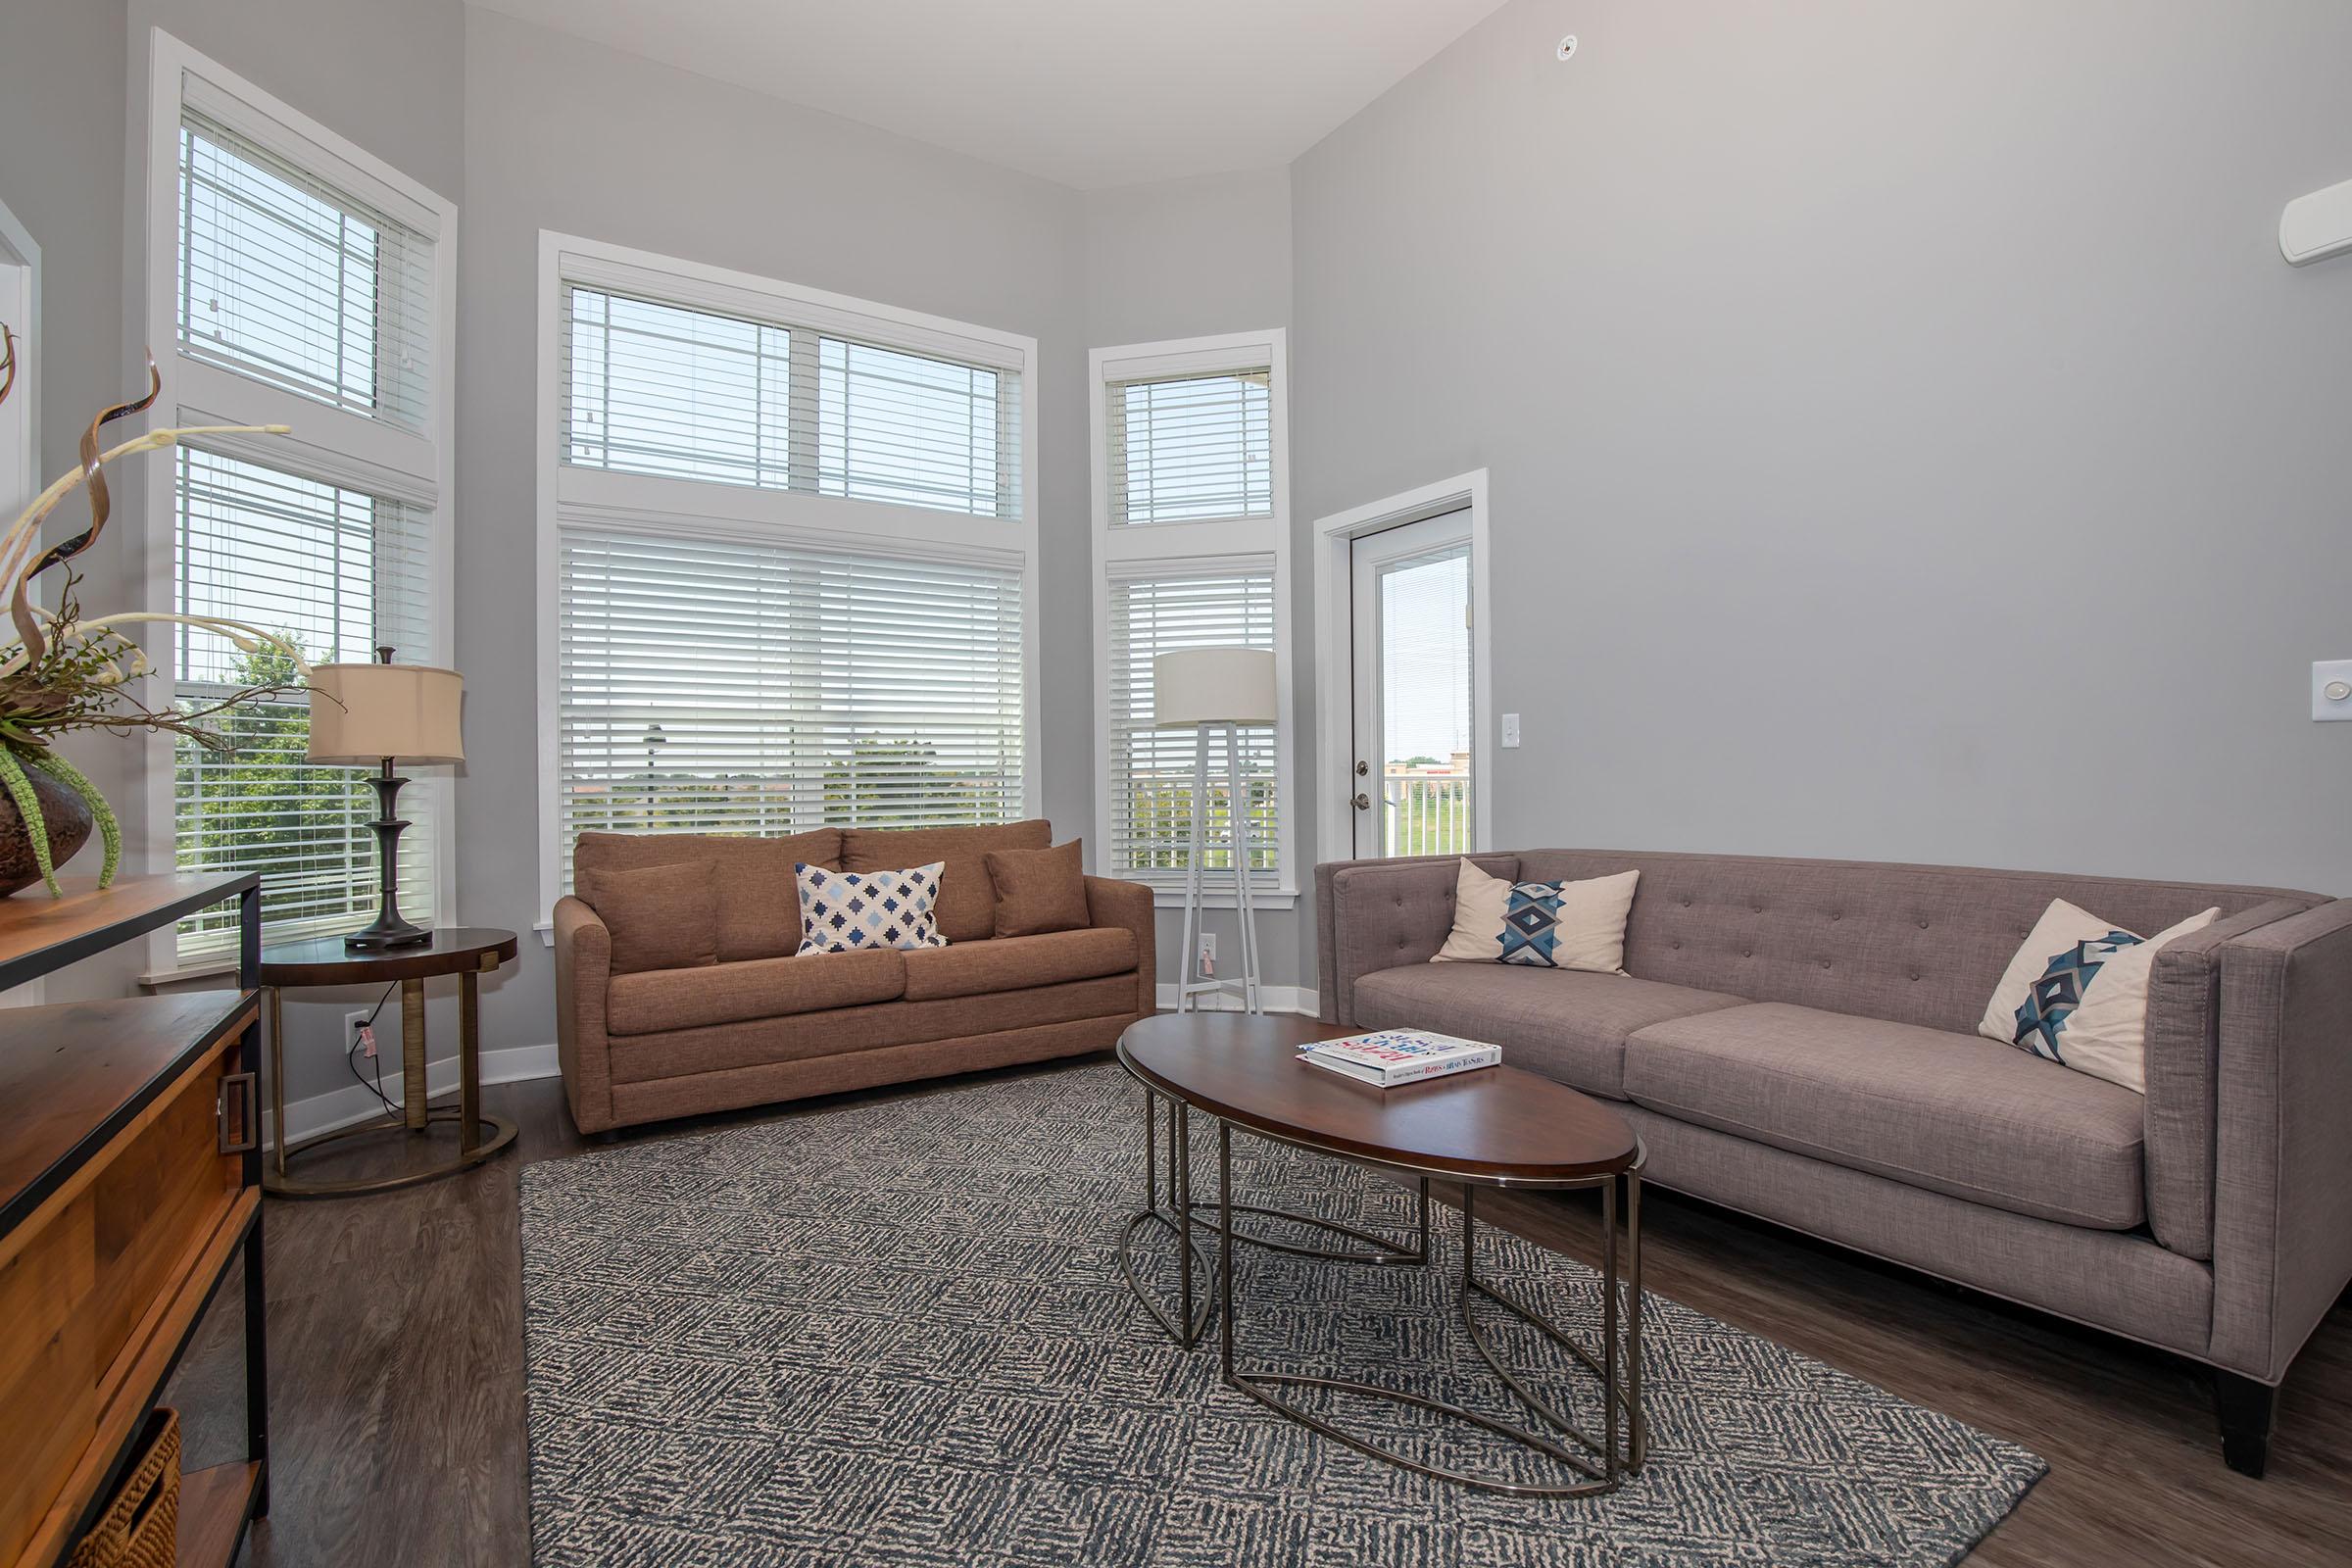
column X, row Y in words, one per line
column 351, row 1054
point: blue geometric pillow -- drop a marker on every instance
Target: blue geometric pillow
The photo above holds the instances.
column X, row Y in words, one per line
column 856, row 911
column 1531, row 924
column 2058, row 991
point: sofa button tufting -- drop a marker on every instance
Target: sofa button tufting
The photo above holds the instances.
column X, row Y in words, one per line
column 1747, row 953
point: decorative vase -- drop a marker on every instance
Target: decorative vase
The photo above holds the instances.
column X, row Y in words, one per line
column 69, row 825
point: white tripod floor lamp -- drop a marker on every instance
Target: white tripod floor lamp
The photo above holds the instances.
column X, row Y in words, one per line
column 1203, row 689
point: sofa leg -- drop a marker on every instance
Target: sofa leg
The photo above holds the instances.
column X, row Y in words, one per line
column 610, row 1136
column 2249, row 1410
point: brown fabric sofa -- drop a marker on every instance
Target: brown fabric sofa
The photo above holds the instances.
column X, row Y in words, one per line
column 1797, row 1039
column 762, row 1024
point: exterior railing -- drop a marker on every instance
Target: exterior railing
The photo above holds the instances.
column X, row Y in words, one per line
column 1425, row 812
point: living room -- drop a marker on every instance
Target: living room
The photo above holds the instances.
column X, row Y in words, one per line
column 686, row 787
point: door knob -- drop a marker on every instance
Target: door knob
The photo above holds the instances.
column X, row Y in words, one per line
column 1361, row 768
column 1362, row 802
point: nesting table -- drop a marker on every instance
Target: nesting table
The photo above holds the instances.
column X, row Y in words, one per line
column 1494, row 1127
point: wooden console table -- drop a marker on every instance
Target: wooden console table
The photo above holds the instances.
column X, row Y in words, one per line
column 129, row 1180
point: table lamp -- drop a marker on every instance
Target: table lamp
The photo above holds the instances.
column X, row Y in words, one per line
column 1202, row 689
column 371, row 716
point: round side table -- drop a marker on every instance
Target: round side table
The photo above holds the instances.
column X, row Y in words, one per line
column 467, row 951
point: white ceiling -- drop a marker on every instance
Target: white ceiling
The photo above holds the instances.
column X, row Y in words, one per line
column 1091, row 93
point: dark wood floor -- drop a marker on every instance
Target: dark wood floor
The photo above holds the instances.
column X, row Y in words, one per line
column 397, row 1394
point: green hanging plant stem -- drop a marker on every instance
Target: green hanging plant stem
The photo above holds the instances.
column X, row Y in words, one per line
column 110, row 829
column 28, row 806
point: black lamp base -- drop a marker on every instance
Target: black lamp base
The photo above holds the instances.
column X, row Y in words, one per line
column 388, row 930
column 376, row 937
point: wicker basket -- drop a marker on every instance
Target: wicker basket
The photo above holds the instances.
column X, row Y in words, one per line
column 140, row 1527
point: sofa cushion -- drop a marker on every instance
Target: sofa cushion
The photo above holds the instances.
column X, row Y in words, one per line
column 661, row 916
column 756, row 1041
column 1016, row 963
column 1952, row 1113
column 1568, row 1024
column 758, row 901
column 1039, row 890
column 967, row 899
column 757, row 988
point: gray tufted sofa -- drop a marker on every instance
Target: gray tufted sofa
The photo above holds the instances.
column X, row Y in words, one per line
column 1797, row 1039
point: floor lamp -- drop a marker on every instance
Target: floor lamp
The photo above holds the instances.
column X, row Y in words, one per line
column 1205, row 689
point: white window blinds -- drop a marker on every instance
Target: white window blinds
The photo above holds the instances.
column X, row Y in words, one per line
column 1191, row 449
column 668, row 390
column 1155, row 609
column 287, row 280
column 338, row 572
column 719, row 686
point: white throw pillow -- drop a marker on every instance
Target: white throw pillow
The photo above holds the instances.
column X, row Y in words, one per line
column 2076, row 993
column 1553, row 925
column 854, row 911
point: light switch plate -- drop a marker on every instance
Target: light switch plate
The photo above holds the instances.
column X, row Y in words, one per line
column 1510, row 730
column 2328, row 676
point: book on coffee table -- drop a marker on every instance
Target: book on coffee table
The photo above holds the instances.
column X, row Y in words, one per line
column 1392, row 1057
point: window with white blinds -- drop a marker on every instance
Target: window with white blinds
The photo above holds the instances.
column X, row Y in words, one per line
column 689, row 393
column 289, row 281
column 338, row 572
column 723, row 686
column 1157, row 608
column 1191, row 449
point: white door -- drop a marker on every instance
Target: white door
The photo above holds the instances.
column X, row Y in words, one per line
column 1410, row 779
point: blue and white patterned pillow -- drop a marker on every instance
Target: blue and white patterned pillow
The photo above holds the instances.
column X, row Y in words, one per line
column 858, row 911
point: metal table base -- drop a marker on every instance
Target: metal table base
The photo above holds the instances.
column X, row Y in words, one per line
column 1600, row 1463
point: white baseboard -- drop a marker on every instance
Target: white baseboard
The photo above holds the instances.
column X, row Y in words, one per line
column 1278, row 999
column 356, row 1103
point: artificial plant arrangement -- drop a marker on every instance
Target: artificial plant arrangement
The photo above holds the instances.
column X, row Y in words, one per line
column 63, row 671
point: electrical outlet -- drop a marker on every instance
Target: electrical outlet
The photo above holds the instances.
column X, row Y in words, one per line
column 356, row 1032
column 1208, row 953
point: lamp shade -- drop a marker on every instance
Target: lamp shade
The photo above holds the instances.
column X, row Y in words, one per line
column 362, row 714
column 1212, row 686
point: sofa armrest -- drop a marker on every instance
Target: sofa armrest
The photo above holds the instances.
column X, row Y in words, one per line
column 583, row 970
column 2282, row 1197
column 2184, row 1037
column 1110, row 903
column 1381, row 914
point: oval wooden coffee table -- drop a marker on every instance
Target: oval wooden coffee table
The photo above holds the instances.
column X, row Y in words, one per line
column 1492, row 1127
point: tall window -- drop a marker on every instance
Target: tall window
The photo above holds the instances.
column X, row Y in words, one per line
column 1157, row 608
column 696, row 394
column 713, row 686
column 1192, row 550
column 790, row 559
column 338, row 571
column 1192, row 448
column 298, row 282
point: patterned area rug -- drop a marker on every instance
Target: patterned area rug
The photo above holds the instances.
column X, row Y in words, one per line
column 896, row 1333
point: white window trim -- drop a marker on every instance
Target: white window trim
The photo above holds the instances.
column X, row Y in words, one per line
column 705, row 509
column 1335, row 653
column 1177, row 544
column 21, row 420
column 343, row 447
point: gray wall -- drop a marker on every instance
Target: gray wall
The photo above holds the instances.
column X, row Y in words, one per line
column 568, row 136
column 60, row 172
column 1194, row 258
column 1905, row 439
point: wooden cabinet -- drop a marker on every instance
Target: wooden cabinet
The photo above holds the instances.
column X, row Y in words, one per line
column 129, row 1180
